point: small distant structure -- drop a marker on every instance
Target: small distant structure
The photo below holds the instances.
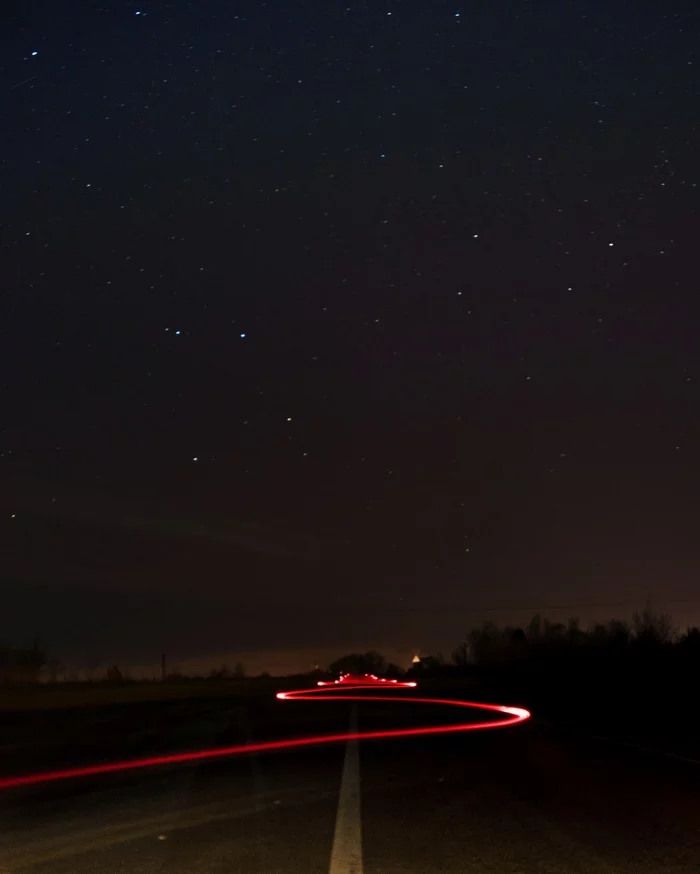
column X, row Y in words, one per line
column 426, row 664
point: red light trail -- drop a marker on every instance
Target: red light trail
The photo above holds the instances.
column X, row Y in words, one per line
column 325, row 692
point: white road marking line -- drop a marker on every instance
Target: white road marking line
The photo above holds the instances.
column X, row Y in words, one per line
column 346, row 854
column 262, row 851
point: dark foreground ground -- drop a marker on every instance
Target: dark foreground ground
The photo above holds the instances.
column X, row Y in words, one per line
column 526, row 799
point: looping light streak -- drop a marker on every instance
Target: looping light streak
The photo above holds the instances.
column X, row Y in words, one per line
column 514, row 715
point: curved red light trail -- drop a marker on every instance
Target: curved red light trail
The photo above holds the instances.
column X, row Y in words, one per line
column 513, row 716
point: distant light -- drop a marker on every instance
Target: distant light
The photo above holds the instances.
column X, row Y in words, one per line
column 289, row 418
column 13, row 516
column 178, row 332
column 611, row 244
column 196, row 458
column 34, row 54
column 137, row 13
column 242, row 336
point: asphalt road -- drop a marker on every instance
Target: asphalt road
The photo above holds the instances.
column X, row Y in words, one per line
column 513, row 801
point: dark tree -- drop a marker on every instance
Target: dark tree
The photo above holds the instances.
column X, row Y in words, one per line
column 370, row 662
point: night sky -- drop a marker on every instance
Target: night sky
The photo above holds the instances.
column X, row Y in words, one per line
column 345, row 324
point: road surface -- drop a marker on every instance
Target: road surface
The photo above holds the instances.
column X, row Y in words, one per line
column 513, row 801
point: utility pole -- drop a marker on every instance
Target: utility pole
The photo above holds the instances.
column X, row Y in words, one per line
column 162, row 667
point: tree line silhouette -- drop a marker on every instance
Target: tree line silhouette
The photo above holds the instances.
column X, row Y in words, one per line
column 34, row 664
column 638, row 677
column 540, row 659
